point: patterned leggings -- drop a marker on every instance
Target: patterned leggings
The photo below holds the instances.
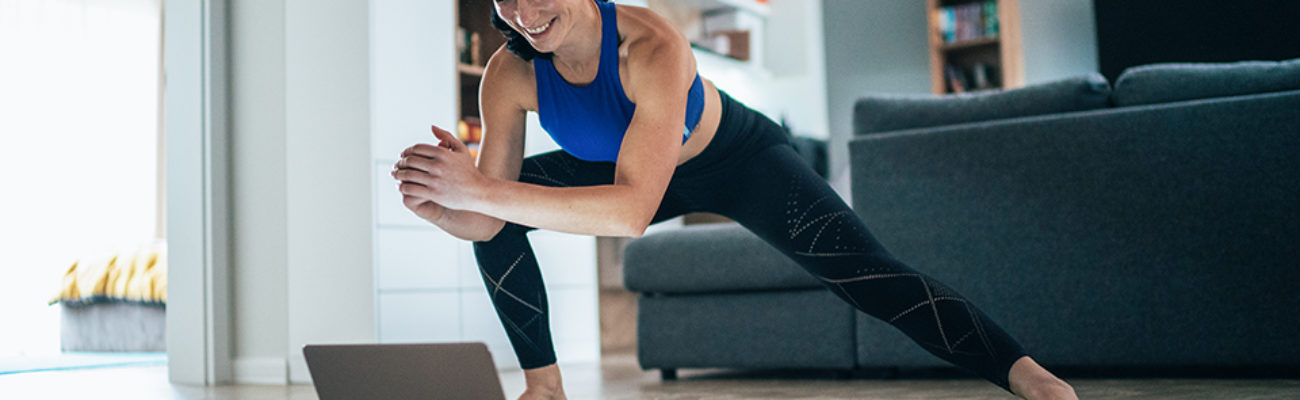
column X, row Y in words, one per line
column 750, row 174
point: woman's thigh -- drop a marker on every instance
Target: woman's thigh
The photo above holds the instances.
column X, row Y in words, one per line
column 561, row 169
column 776, row 195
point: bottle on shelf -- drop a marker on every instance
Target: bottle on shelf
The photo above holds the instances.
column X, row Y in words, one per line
column 470, row 131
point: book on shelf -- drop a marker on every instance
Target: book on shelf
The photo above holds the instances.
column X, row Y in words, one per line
column 990, row 15
column 978, row 76
column 947, row 24
column 985, row 76
column 467, row 47
column 970, row 21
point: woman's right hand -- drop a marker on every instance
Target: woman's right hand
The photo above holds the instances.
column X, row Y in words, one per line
column 424, row 208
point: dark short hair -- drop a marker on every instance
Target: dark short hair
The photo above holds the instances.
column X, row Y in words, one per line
column 516, row 42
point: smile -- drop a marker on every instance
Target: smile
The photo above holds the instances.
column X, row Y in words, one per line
column 540, row 29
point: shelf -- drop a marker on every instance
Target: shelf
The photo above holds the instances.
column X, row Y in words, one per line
column 467, row 69
column 708, row 60
column 472, row 24
column 969, row 44
column 700, row 49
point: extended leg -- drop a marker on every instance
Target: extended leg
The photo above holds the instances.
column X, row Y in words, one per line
column 789, row 206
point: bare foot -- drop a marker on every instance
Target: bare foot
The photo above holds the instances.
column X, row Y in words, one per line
column 1030, row 381
column 531, row 394
column 543, row 384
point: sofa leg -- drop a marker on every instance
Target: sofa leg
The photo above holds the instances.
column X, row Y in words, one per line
column 668, row 374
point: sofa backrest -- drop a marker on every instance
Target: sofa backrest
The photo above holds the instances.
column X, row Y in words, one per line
column 883, row 113
column 1170, row 82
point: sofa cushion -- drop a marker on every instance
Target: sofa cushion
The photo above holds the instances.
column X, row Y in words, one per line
column 1164, row 83
column 746, row 330
column 883, row 113
column 709, row 258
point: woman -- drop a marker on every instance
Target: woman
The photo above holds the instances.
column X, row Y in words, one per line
column 645, row 139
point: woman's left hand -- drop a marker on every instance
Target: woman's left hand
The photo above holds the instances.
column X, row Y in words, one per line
column 444, row 174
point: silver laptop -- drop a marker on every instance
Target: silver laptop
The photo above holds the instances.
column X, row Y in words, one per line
column 403, row 371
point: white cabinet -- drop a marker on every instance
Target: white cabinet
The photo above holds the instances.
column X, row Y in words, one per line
column 419, row 316
column 427, row 284
column 418, row 259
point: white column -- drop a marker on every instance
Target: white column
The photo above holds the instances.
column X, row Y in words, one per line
column 327, row 173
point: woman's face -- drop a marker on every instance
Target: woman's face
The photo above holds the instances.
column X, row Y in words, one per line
column 544, row 23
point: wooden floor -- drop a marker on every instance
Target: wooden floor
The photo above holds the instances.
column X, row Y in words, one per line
column 618, row 377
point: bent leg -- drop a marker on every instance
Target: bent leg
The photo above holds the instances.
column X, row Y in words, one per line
column 784, row 202
column 509, row 266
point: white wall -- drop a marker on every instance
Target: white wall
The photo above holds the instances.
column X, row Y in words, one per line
column 327, row 175
column 795, row 56
column 1059, row 39
column 301, row 204
column 872, row 46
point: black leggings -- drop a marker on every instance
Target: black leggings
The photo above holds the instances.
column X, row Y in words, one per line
column 750, row 174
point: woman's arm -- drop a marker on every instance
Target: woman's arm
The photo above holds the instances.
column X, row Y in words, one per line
column 661, row 71
column 500, row 155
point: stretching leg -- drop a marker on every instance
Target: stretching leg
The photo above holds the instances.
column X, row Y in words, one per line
column 776, row 196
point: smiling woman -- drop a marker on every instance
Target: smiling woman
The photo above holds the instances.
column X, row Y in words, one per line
column 645, row 138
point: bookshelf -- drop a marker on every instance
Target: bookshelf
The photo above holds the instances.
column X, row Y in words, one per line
column 476, row 40
column 974, row 45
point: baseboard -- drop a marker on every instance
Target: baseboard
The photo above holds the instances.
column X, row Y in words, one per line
column 261, row 371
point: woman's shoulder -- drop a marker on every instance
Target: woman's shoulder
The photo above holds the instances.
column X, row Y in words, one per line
column 641, row 26
column 507, row 74
column 505, row 64
column 646, row 37
column 648, row 40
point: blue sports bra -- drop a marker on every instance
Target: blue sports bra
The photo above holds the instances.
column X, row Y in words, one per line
column 589, row 121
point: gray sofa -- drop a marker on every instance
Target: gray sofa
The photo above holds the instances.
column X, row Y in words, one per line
column 1152, row 225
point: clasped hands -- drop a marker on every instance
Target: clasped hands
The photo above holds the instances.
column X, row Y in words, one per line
column 433, row 179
